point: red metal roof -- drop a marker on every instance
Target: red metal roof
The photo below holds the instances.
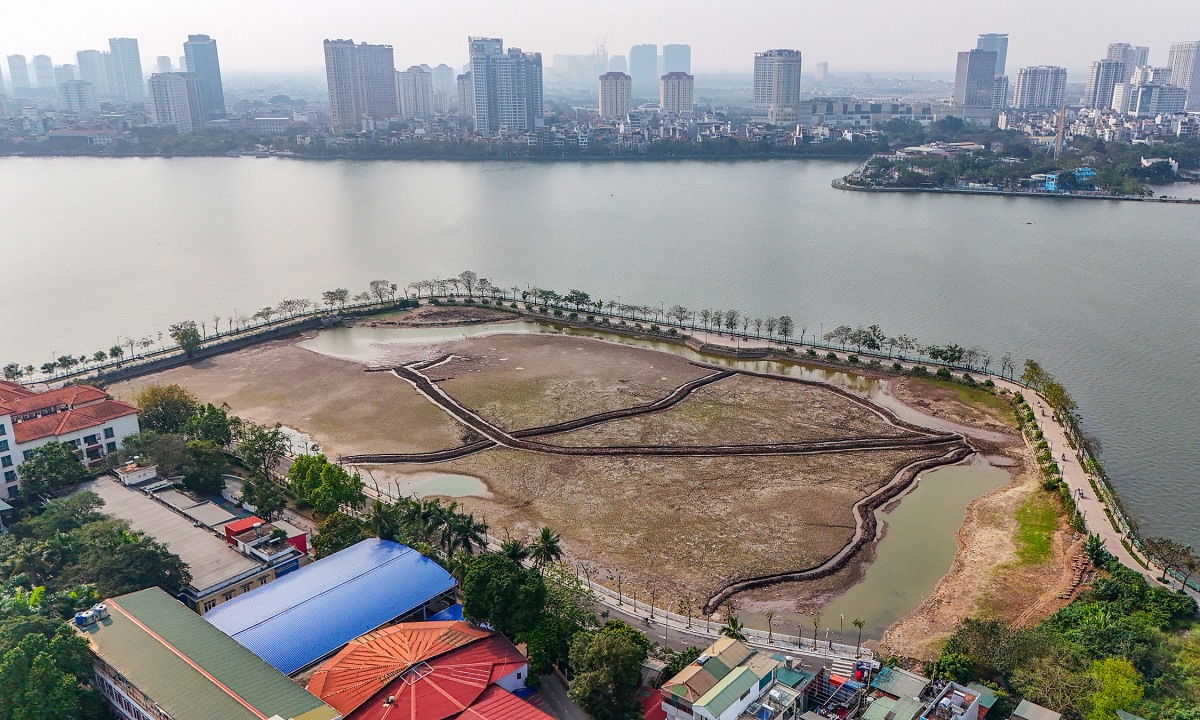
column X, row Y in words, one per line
column 430, row 671
column 496, row 703
column 71, row 396
column 61, row 423
column 237, row 526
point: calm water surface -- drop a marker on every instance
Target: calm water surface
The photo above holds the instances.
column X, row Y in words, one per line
column 1104, row 294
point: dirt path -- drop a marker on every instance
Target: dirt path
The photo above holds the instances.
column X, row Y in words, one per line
column 1069, row 582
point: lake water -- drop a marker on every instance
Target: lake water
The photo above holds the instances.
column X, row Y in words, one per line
column 1104, row 294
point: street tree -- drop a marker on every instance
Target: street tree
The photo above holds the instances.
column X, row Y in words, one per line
column 204, row 467
column 165, row 408
column 546, row 548
column 1171, row 555
column 213, row 424
column 166, row 450
column 379, row 289
column 49, row 467
column 786, row 327
column 262, row 448
column 337, row 532
column 264, row 495
column 607, row 672
column 469, row 280
column 503, row 594
column 337, row 296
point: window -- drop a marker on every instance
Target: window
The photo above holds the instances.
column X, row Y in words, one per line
column 111, row 447
column 229, row 595
column 3, row 430
column 3, row 445
column 246, row 587
column 25, row 455
column 6, row 461
column 10, row 476
column 209, row 605
column 108, row 432
column 90, row 440
column 262, row 580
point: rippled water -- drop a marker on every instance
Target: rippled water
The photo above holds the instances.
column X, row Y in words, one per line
column 1103, row 293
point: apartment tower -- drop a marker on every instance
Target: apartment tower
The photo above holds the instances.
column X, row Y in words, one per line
column 1103, row 77
column 776, row 85
column 822, row 71
column 675, row 94
column 125, row 71
column 93, row 68
column 643, row 68
column 507, row 87
column 18, row 75
column 1130, row 57
column 616, row 94
column 200, row 52
column 1185, row 70
column 43, row 71
column 466, row 95
column 677, row 58
column 414, row 90
column 362, row 83
column 78, row 96
column 175, row 100
column 1039, row 87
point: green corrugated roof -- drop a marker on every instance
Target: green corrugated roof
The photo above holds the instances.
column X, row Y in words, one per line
column 178, row 687
column 795, row 679
column 899, row 683
column 907, row 709
column 879, row 709
column 716, row 668
column 725, row 693
column 987, row 696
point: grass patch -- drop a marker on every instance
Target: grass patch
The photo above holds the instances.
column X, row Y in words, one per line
column 1128, row 549
column 972, row 396
column 1037, row 518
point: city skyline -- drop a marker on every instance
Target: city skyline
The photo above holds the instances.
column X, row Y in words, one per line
column 716, row 47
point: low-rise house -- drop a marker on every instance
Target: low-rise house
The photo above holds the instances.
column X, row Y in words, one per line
column 80, row 415
column 1032, row 711
column 897, row 683
column 953, row 702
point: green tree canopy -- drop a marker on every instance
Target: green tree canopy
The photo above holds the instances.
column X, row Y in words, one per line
column 165, row 408
column 186, row 336
column 262, row 448
column 608, row 671
column 203, row 468
column 337, row 532
column 325, row 485
column 166, row 450
column 264, row 495
column 49, row 467
column 503, row 594
column 213, row 424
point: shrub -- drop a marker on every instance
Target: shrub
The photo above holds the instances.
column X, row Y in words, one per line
column 655, row 328
column 1019, row 398
column 1038, row 435
column 919, row 370
column 852, row 358
column 638, row 326
column 897, row 367
column 573, row 316
column 989, row 383
column 875, row 364
column 968, row 379
column 605, row 321
column 435, row 301
column 485, row 301
column 943, row 373
column 1050, row 484
column 544, row 310
column 1043, row 445
column 513, row 306
column 469, row 301
column 672, row 331
column 591, row 318
column 558, row 313
column 793, row 350
column 809, row 352
column 831, row 357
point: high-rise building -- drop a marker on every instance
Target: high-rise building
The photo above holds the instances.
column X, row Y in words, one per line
column 443, row 79
column 175, row 100
column 677, row 58
column 507, row 87
column 43, row 71
column 997, row 43
column 1039, row 87
column 78, row 96
column 1130, row 57
column 1185, row 70
column 93, row 68
column 1148, row 74
column 18, row 75
column 125, row 73
column 776, row 85
column 822, row 70
column 163, row 63
column 1148, row 99
column 414, row 88
column 675, row 93
column 201, row 54
column 183, row 63
column 643, row 68
column 1103, row 76
column 616, row 94
column 63, row 74
column 466, row 95
column 617, row 63
column 975, row 84
column 362, row 83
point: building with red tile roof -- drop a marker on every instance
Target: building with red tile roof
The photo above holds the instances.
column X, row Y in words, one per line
column 427, row 671
column 80, row 415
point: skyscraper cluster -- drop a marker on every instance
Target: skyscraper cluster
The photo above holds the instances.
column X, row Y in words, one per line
column 647, row 67
column 1125, row 81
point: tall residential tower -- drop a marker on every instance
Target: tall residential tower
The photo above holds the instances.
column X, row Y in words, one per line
column 362, row 83
column 643, row 68
column 1185, row 70
column 125, row 71
column 200, row 52
column 776, row 85
column 507, row 87
column 616, row 94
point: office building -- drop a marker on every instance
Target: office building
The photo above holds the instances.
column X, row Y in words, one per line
column 1130, row 57
column 414, row 89
column 125, row 73
column 776, row 85
column 997, row 43
column 1185, row 70
column 1103, row 76
column 78, row 96
column 975, row 84
column 677, row 58
column 643, row 68
column 1147, row 99
column 154, row 659
column 362, row 83
column 822, row 70
column 200, row 52
column 163, row 63
column 93, row 68
column 507, row 87
column 81, row 416
column 175, row 100
column 617, row 63
column 1039, row 87
column 18, row 75
column 63, row 74
column 616, row 94
column 675, row 94
column 466, row 95
column 43, row 72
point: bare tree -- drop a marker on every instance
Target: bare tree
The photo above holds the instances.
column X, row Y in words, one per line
column 758, row 324
column 771, row 322
column 216, row 324
column 380, row 289
column 469, row 280
column 1007, row 366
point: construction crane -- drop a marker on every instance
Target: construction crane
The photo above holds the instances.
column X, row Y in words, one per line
column 1061, row 132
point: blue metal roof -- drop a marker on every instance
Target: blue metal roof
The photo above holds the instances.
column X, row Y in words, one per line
column 454, row 612
column 310, row 613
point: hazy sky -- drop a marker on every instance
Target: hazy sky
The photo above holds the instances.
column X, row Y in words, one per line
column 870, row 35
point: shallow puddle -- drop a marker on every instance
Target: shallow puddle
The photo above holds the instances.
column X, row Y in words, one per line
column 427, row 484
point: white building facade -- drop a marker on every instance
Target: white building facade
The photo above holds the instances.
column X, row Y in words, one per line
column 79, row 415
column 175, row 100
column 675, row 95
column 616, row 94
column 1041, row 86
column 414, row 93
column 777, row 85
column 506, row 87
column 1185, row 70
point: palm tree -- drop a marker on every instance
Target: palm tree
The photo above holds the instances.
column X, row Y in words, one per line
column 383, row 520
column 734, row 629
column 547, row 548
column 858, row 624
column 769, row 615
column 514, row 550
column 466, row 533
column 458, row 564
